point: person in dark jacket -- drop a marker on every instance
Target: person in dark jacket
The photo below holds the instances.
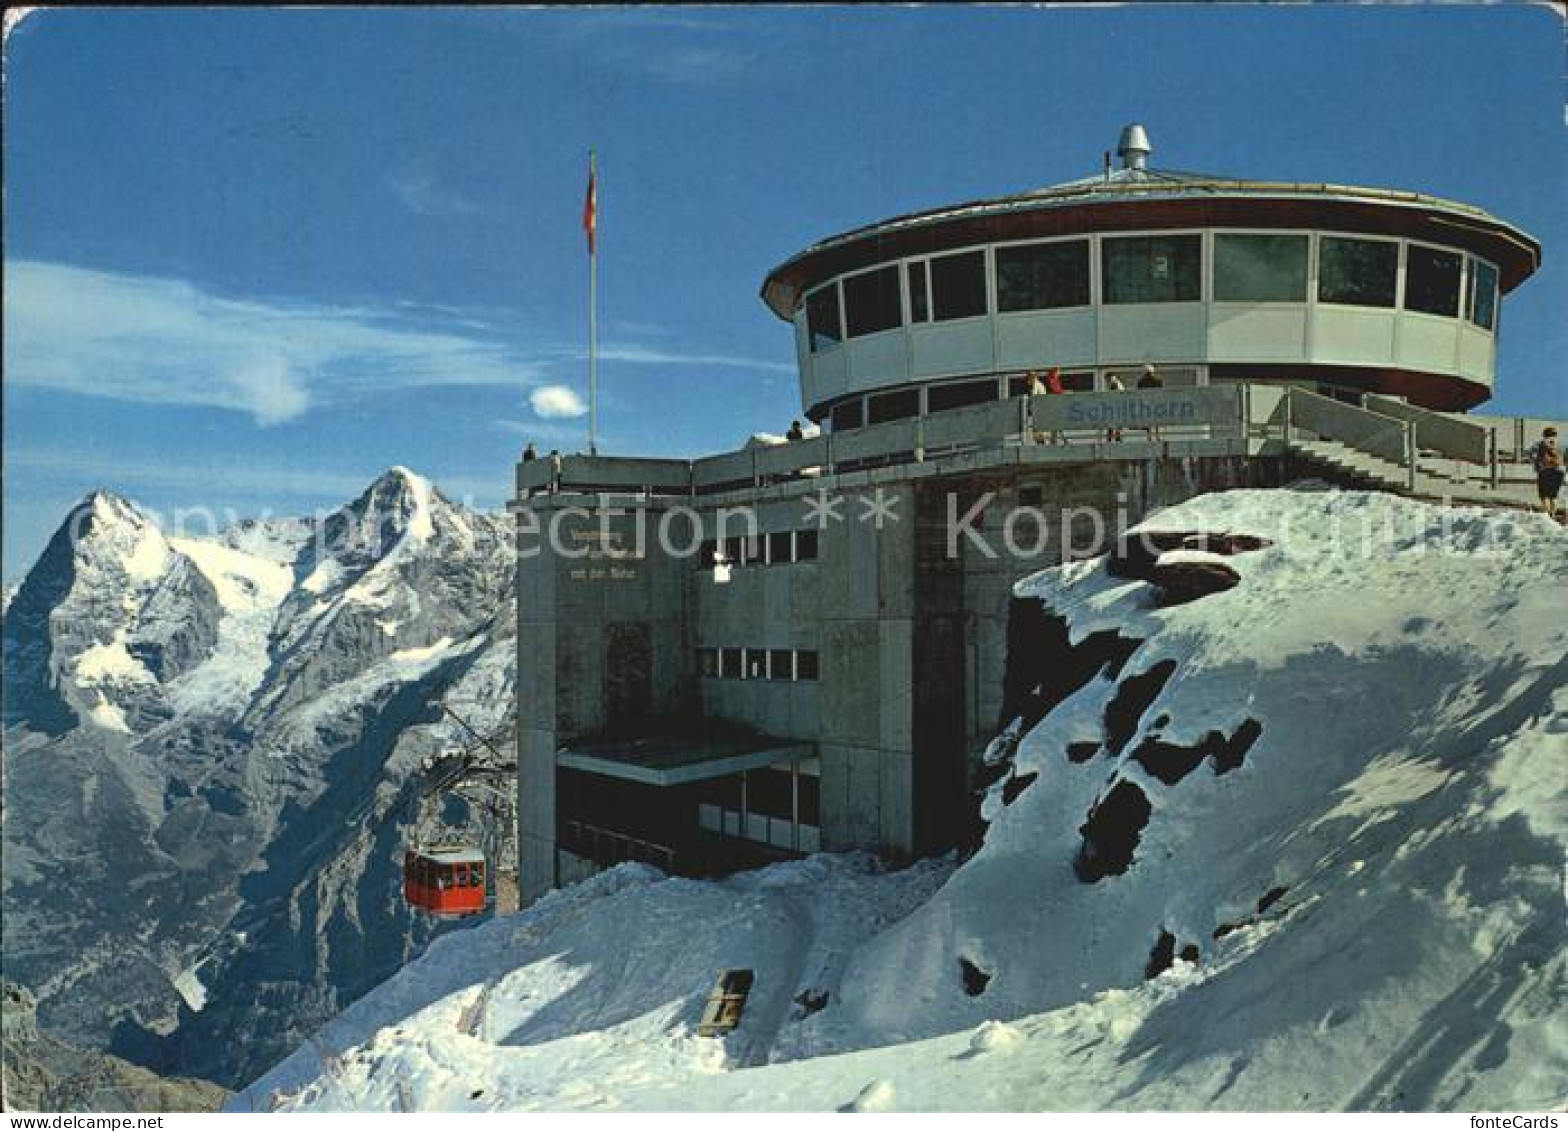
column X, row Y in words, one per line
column 1547, row 458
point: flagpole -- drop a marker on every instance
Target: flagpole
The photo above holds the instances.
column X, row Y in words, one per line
column 593, row 314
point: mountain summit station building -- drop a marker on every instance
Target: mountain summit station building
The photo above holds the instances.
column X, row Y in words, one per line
column 799, row 646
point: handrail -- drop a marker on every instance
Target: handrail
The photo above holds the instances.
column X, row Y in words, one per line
column 1456, row 439
column 1371, row 433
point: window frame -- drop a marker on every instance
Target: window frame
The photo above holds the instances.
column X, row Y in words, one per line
column 986, row 306
column 1460, row 286
column 1393, row 307
column 1467, row 306
column 1087, row 239
column 805, row 306
column 1101, row 281
column 896, row 267
column 1309, row 278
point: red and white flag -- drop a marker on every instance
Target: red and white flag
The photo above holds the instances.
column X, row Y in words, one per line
column 591, row 207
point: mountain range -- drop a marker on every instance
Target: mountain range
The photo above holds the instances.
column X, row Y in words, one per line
column 212, row 753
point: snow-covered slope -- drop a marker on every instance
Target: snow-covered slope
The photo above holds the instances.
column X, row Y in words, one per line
column 1294, row 845
column 209, row 755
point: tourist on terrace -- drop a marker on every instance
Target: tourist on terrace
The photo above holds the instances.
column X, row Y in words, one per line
column 1113, row 384
column 1548, row 461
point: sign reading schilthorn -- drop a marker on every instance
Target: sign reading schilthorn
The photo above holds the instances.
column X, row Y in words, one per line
column 1129, row 408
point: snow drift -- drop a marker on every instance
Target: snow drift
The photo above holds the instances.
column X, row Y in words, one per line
column 1295, row 844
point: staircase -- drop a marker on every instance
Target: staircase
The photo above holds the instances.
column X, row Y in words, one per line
column 1390, row 446
column 1359, row 466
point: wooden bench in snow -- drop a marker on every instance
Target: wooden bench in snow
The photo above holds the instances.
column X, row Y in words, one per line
column 726, row 1003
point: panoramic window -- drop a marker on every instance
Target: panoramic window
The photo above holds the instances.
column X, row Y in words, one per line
column 1432, row 280
column 805, row 545
column 958, row 394
column 708, row 662
column 806, row 665
column 1482, row 306
column 958, row 286
column 871, row 302
column 822, row 321
column 729, row 663
column 847, row 415
column 1260, row 268
column 919, row 299
column 778, row 548
column 1152, row 268
column 895, row 406
column 1357, row 272
column 1042, row 276
column 756, row 663
column 781, row 664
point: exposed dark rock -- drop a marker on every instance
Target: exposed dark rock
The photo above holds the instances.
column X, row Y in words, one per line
column 1162, row 956
column 1180, row 583
column 975, row 979
column 1111, row 833
column 1044, row 667
column 811, row 1001
column 1190, row 953
column 1080, row 752
column 1134, row 555
column 1016, row 785
column 1270, row 898
column 1133, row 697
column 1170, row 762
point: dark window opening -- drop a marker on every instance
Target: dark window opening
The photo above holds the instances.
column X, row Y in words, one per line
column 822, row 320
column 919, row 303
column 708, row 663
column 1042, row 276
column 806, row 666
column 1152, row 269
column 805, row 545
column 871, row 302
column 958, row 286
column 1357, row 272
column 781, row 664
column 959, row 394
column 810, row 800
column 1482, row 307
column 756, row 663
column 770, row 793
column 846, row 416
column 779, row 548
column 1432, row 281
column 754, row 549
column 895, row 406
column 734, row 550
column 729, row 663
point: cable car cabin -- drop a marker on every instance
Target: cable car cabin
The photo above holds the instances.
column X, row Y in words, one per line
column 445, row 880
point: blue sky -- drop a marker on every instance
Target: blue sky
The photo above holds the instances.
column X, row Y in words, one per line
column 255, row 257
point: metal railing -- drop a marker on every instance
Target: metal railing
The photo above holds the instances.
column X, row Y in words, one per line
column 1165, row 415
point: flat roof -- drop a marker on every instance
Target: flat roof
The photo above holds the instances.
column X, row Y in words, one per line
column 451, row 854
column 667, row 760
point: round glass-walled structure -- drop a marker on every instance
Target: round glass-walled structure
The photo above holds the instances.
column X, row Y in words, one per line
column 1209, row 278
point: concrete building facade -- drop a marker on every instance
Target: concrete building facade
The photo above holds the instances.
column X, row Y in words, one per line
column 801, row 646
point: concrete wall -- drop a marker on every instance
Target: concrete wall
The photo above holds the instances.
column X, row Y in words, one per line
column 911, row 638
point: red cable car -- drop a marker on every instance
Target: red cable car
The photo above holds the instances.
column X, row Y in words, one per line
column 445, row 880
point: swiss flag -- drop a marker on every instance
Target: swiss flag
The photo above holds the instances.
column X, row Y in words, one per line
column 591, row 207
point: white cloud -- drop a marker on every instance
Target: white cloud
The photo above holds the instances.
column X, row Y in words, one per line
column 554, row 402
column 163, row 341
column 422, row 193
column 652, row 355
